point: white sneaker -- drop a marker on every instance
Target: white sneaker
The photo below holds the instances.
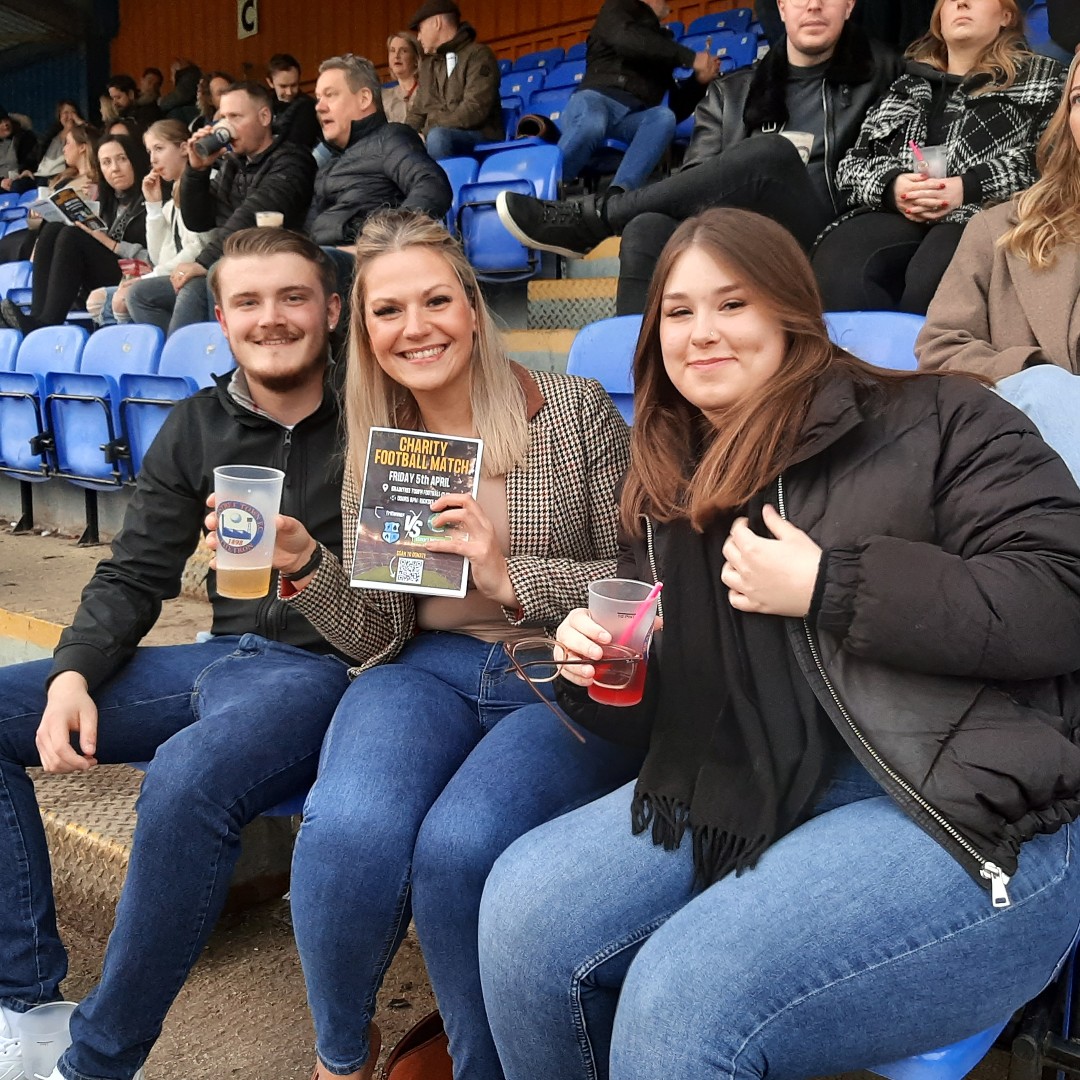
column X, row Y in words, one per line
column 10, row 1052
column 57, row 1075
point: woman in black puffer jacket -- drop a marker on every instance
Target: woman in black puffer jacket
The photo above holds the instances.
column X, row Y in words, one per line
column 862, row 778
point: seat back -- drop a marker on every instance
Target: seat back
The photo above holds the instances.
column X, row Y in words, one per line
column 15, row 275
column 676, row 27
column 544, row 58
column 576, row 51
column 52, row 348
column 950, row 1062
column 15, row 226
column 505, row 66
column 719, row 43
column 604, row 351
column 10, row 340
column 197, row 352
column 522, row 84
column 27, row 197
column 568, row 73
column 9, row 198
column 551, row 103
column 884, row 338
column 128, row 347
column 737, row 20
column 459, row 171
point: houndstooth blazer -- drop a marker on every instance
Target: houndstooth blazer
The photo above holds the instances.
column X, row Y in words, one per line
column 562, row 511
column 992, row 135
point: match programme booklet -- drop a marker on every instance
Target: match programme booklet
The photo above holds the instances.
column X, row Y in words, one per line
column 406, row 471
column 66, row 206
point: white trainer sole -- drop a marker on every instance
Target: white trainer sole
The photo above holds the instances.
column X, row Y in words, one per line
column 512, row 228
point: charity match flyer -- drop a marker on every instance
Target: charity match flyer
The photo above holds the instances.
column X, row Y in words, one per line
column 404, row 473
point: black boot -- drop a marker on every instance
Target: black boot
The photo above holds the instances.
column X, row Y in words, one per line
column 572, row 227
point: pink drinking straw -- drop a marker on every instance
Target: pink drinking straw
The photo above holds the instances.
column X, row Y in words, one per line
column 917, row 152
column 635, row 622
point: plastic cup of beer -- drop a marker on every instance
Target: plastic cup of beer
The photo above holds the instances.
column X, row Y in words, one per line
column 44, row 1034
column 935, row 163
column 619, row 676
column 269, row 219
column 248, row 498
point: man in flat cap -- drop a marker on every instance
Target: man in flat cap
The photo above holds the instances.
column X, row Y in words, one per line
column 457, row 103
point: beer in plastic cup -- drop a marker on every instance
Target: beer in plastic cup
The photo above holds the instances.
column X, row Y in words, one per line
column 248, row 498
column 935, row 162
column 269, row 219
column 619, row 678
column 44, row 1034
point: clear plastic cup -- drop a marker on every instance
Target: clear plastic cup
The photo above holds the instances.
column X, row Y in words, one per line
column 44, row 1035
column 248, row 498
column 620, row 675
column 935, row 163
column 269, row 219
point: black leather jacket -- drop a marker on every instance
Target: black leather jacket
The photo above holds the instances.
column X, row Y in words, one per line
column 165, row 517
column 753, row 101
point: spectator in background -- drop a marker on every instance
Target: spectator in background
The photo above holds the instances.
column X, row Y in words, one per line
column 150, row 86
column 18, row 150
column 294, row 111
column 458, row 103
column 52, row 160
column 972, row 86
column 208, row 97
column 222, row 193
column 181, row 99
column 123, row 93
column 125, row 125
column 403, row 59
column 628, row 71
column 373, row 164
column 72, row 260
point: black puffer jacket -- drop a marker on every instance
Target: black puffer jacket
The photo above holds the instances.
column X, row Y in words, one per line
column 164, row 519
column 384, row 165
column 753, row 101
column 629, row 50
column 944, row 641
column 280, row 178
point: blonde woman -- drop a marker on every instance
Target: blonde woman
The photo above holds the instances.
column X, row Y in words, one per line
column 403, row 58
column 972, row 87
column 436, row 685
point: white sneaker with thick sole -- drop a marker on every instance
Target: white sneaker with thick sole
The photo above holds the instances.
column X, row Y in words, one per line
column 10, row 1052
column 57, row 1075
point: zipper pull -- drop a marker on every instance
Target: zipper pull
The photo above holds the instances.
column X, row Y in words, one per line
column 999, row 895
column 288, row 437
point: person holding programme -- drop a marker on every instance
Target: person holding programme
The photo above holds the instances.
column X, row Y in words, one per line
column 860, row 792
column 436, row 686
column 403, row 59
column 972, row 88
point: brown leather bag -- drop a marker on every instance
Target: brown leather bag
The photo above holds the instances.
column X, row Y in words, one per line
column 422, row 1053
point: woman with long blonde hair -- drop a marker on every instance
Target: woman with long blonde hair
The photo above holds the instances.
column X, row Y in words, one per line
column 975, row 94
column 422, row 781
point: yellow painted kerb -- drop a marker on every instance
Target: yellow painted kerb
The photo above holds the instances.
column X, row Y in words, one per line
column 39, row 632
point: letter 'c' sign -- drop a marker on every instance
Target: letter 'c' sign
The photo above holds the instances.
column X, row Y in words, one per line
column 247, row 18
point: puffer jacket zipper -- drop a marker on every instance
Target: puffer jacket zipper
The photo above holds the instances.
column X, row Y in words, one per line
column 989, row 871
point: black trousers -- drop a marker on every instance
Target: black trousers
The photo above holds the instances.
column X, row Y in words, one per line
column 883, row 262
column 764, row 174
column 67, row 262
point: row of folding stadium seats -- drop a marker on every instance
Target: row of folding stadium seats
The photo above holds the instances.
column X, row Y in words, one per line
column 85, row 408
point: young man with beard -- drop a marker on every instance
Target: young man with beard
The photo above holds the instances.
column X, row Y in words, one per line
column 816, row 85
column 231, row 726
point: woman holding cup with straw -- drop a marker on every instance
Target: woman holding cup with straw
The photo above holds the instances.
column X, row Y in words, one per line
column 861, row 781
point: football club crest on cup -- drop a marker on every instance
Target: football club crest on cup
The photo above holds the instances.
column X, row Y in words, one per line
column 240, row 526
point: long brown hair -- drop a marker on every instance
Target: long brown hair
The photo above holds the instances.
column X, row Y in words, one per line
column 682, row 465
column 1001, row 59
column 175, row 132
column 1049, row 211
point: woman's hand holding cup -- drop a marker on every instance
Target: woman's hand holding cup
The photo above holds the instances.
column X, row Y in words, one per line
column 580, row 637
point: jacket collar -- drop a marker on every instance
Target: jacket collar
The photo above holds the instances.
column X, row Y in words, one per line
column 534, row 396
column 462, row 38
column 234, row 395
column 837, row 407
column 358, row 129
column 853, row 62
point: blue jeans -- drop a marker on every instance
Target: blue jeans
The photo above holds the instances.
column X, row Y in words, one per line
column 857, row 939
column 453, row 142
column 233, row 726
column 1050, row 396
column 431, row 767
column 591, row 117
column 153, row 300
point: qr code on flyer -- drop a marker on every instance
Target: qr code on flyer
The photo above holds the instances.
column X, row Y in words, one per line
column 409, row 571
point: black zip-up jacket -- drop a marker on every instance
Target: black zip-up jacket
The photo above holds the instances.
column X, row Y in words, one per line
column 753, row 101
column 629, row 50
column 281, row 178
column 944, row 638
column 297, row 122
column 384, row 165
column 165, row 518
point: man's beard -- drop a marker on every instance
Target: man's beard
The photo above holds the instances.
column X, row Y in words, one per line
column 287, row 381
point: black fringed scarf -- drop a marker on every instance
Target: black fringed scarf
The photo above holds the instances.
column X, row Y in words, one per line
column 740, row 747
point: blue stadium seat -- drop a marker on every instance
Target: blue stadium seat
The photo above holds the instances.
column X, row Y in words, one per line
column 505, row 66
column 568, row 73
column 9, row 198
column 676, row 28
column 604, row 351
column 744, row 50
column 512, row 109
column 543, row 58
column 551, row 103
column 27, row 197
column 522, row 84
column 576, row 52
column 884, row 338
column 15, row 275
column 719, row 43
column 15, row 226
column 13, row 213
column 189, row 360
column 737, row 20
column 459, row 171
column 10, row 340
column 1037, row 32
column 495, row 254
column 82, row 408
column 951, row 1062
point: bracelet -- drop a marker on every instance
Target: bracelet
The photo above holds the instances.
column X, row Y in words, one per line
column 309, row 567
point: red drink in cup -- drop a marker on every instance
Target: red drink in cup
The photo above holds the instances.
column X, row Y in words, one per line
column 614, row 603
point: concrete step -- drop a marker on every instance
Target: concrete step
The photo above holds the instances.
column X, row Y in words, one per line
column 602, row 261
column 541, row 350
column 570, row 303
